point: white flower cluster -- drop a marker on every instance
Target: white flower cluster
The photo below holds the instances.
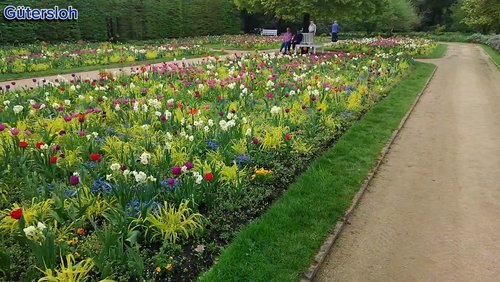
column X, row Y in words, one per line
column 140, row 177
column 275, row 110
column 17, row 109
column 226, row 125
column 198, row 178
column 154, row 103
column 33, row 232
column 145, row 158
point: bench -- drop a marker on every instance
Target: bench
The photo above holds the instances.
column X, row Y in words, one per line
column 308, row 41
column 269, row 32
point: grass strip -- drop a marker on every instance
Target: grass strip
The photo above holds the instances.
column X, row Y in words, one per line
column 280, row 245
column 494, row 55
column 438, row 52
column 13, row 76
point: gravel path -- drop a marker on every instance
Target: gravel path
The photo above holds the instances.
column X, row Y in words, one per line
column 432, row 212
column 29, row 82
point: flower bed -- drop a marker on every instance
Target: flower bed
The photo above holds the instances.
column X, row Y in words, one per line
column 251, row 42
column 391, row 45
column 42, row 57
column 148, row 176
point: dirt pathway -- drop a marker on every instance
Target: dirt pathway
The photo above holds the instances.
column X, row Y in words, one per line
column 433, row 211
column 35, row 82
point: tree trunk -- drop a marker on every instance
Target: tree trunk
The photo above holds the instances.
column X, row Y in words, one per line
column 305, row 22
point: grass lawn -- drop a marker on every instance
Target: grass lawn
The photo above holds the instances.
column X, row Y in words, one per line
column 7, row 77
column 281, row 244
column 438, row 52
column 494, row 55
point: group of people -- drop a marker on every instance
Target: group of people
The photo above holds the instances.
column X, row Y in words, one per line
column 290, row 40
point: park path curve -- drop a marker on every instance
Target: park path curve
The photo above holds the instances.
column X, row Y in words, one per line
column 432, row 213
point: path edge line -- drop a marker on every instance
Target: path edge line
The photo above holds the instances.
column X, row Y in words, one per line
column 488, row 54
column 324, row 250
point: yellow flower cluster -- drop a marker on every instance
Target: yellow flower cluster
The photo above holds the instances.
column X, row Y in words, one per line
column 261, row 171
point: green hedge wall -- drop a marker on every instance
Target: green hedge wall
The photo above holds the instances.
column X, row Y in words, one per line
column 101, row 20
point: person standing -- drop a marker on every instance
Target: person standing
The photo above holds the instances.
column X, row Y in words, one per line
column 312, row 28
column 335, row 31
column 286, row 41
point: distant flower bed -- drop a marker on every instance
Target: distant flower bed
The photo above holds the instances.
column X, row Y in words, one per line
column 41, row 57
column 147, row 176
column 252, row 42
column 392, row 45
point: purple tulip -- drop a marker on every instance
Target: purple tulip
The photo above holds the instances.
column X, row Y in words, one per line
column 2, row 127
column 256, row 141
column 176, row 170
column 27, row 132
column 170, row 181
column 67, row 118
column 188, row 165
column 74, row 180
column 14, row 131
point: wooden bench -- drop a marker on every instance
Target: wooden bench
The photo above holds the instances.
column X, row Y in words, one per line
column 308, row 42
column 269, row 32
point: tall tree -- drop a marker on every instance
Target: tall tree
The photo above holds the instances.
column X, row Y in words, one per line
column 319, row 10
column 433, row 12
column 482, row 14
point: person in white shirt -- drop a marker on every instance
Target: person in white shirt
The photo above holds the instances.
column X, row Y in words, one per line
column 312, row 28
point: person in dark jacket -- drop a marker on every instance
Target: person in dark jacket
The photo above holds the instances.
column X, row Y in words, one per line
column 297, row 38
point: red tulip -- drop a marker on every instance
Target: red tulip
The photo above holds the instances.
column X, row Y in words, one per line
column 288, row 136
column 95, row 157
column 81, row 118
column 16, row 214
column 209, row 176
column 53, row 160
column 38, row 145
column 23, row 144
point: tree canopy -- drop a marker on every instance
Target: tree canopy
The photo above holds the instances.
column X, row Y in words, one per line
column 366, row 14
column 482, row 14
column 296, row 9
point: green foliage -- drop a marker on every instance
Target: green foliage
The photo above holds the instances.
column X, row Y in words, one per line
column 295, row 10
column 281, row 244
column 70, row 272
column 385, row 15
column 170, row 222
column 483, row 14
column 125, row 20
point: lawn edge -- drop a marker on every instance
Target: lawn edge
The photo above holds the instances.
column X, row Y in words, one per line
column 340, row 224
column 226, row 265
column 486, row 50
column 441, row 47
